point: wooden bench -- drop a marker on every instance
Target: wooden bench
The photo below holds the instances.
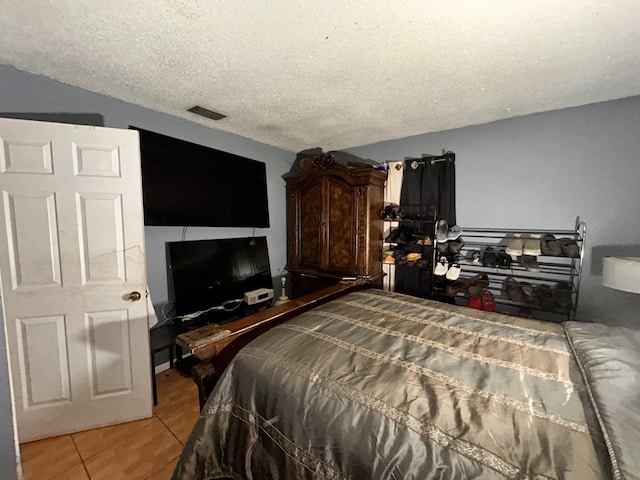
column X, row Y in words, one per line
column 215, row 345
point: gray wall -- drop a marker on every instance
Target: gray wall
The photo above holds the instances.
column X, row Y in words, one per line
column 24, row 92
column 544, row 170
column 539, row 171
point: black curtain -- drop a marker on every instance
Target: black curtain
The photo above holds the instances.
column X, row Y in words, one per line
column 428, row 194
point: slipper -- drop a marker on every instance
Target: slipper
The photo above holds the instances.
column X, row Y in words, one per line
column 569, row 247
column 550, row 246
column 514, row 247
column 454, row 232
column 441, row 267
column 454, row 272
column 513, row 290
column 478, row 283
column 531, row 246
column 441, row 231
column 458, row 286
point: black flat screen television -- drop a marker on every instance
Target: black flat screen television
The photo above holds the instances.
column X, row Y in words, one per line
column 185, row 184
column 210, row 273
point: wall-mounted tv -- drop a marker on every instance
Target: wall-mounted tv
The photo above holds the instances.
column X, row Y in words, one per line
column 185, row 184
column 217, row 272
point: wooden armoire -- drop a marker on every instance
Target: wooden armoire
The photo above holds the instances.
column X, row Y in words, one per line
column 334, row 230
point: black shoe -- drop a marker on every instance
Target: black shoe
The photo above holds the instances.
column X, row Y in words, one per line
column 393, row 236
column 503, row 260
column 545, row 298
column 562, row 294
column 489, row 257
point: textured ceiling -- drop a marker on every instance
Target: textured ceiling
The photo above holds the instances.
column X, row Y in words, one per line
column 333, row 73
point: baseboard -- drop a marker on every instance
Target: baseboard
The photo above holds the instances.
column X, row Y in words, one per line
column 163, row 367
column 187, row 360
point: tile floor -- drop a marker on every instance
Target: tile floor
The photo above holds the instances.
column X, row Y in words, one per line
column 145, row 449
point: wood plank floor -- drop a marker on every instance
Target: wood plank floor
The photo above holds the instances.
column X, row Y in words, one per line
column 145, row 449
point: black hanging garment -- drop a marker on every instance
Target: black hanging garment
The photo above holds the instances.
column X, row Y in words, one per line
column 428, row 194
column 430, row 187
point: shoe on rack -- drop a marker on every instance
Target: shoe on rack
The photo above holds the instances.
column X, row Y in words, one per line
column 457, row 286
column 454, row 232
column 473, row 256
column 512, row 290
column 405, row 234
column 458, row 258
column 441, row 231
column 514, row 247
column 545, row 298
column 531, row 246
column 503, row 260
column 455, row 245
column 529, row 293
column 393, row 236
column 442, row 248
column 530, row 263
column 412, row 257
column 489, row 257
column 426, row 240
column 487, row 302
column 478, row 283
column 392, row 212
column 550, row 246
column 389, row 259
column 562, row 294
column 454, row 272
column 475, row 302
column 441, row 267
column 569, row 247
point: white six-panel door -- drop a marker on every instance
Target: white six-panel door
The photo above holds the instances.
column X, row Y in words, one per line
column 71, row 256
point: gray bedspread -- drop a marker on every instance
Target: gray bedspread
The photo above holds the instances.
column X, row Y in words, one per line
column 385, row 386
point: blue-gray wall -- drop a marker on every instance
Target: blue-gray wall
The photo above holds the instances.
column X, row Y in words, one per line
column 24, row 92
column 539, row 171
column 544, row 170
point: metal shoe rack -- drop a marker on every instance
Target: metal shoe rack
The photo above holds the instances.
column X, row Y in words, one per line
column 422, row 225
column 552, row 270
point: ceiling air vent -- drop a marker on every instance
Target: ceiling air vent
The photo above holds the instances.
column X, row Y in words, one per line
column 204, row 112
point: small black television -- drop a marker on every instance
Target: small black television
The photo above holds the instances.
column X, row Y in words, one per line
column 186, row 184
column 217, row 272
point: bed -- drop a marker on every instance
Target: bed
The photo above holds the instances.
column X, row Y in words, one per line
column 385, row 386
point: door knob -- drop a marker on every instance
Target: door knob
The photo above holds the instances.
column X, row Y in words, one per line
column 134, row 296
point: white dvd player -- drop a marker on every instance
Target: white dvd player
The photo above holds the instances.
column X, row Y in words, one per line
column 258, row 296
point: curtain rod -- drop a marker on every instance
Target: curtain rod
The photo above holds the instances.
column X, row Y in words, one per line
column 446, row 156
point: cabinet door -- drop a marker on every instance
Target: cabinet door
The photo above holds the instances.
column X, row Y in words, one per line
column 340, row 250
column 311, row 224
